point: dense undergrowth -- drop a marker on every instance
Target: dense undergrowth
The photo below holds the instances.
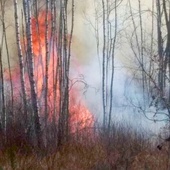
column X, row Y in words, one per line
column 123, row 148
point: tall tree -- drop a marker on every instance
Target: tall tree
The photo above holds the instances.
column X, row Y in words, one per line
column 109, row 41
column 37, row 125
column 64, row 67
column 21, row 62
column 3, row 111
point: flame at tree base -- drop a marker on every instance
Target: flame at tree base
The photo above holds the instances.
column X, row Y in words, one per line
column 79, row 116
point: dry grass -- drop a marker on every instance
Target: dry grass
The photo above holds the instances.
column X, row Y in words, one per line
column 124, row 149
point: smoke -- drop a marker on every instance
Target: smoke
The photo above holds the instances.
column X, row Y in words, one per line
column 86, row 63
column 128, row 95
column 10, row 34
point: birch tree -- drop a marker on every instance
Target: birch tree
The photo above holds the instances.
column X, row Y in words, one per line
column 37, row 125
column 3, row 111
column 64, row 66
column 110, row 31
column 21, row 62
column 155, row 75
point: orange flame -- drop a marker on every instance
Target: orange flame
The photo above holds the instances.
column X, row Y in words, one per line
column 80, row 116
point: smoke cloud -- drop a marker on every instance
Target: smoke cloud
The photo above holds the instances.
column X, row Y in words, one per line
column 86, row 63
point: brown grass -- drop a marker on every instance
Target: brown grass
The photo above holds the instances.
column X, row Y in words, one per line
column 124, row 149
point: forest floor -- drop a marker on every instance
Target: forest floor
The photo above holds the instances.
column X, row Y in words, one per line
column 124, row 149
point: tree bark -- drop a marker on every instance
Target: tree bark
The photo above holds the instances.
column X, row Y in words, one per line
column 37, row 125
column 21, row 62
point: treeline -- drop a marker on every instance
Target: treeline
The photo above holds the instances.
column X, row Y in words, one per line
column 37, row 99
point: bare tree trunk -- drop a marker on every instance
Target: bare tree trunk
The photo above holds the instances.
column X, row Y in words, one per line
column 166, row 62
column 151, row 64
column 160, row 47
column 65, row 107
column 46, row 65
column 10, row 112
column 21, row 62
column 37, row 125
column 3, row 113
column 8, row 57
column 58, row 80
column 104, row 66
column 112, row 66
column 144, row 83
column 64, row 67
column 68, row 64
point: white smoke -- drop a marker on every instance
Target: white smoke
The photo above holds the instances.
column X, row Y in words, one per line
column 86, row 65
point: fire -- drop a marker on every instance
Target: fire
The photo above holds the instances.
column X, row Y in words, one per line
column 80, row 116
